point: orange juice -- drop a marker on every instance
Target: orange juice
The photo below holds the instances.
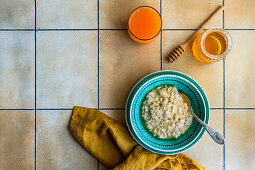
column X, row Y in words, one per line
column 144, row 24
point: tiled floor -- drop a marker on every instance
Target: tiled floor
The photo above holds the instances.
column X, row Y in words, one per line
column 57, row 54
column 56, row 148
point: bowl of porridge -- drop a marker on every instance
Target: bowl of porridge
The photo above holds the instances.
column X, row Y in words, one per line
column 157, row 116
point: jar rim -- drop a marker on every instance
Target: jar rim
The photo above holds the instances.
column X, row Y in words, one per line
column 226, row 35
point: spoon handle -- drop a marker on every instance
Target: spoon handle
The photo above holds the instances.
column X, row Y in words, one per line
column 218, row 138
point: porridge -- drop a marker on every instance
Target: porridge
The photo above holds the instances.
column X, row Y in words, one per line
column 165, row 113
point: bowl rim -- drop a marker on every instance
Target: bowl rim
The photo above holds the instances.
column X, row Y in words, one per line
column 184, row 145
column 198, row 136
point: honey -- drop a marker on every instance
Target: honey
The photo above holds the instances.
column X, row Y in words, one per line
column 212, row 45
column 144, row 24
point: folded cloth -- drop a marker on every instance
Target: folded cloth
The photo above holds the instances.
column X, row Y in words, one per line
column 110, row 142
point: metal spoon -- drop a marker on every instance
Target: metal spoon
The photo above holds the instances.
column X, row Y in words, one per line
column 218, row 138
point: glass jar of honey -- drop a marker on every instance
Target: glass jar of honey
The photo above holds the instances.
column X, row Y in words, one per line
column 144, row 24
column 212, row 45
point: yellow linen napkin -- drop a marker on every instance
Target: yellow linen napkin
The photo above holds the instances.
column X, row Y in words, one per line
column 110, row 142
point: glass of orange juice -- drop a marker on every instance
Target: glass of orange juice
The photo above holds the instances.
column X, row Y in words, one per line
column 144, row 24
column 212, row 45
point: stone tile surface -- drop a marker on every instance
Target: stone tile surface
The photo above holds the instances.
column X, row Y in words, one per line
column 17, row 140
column 17, row 70
column 56, row 147
column 240, row 14
column 67, row 14
column 67, row 69
column 17, row 14
column 240, row 145
column 189, row 14
column 114, row 13
column 240, row 70
column 122, row 64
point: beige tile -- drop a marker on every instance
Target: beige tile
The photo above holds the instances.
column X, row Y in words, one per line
column 67, row 69
column 17, row 14
column 118, row 115
column 210, row 76
column 239, row 14
column 240, row 145
column 206, row 152
column 56, row 147
column 17, row 140
column 17, row 70
column 66, row 14
column 189, row 14
column 115, row 13
column 240, row 70
column 122, row 64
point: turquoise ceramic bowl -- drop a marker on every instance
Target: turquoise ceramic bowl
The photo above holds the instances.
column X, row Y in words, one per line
column 186, row 85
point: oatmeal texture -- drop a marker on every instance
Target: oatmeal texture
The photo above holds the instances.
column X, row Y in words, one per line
column 165, row 113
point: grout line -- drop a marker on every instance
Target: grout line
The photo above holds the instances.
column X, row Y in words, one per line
column 223, row 14
column 98, row 51
column 59, row 109
column 79, row 29
column 35, row 84
column 65, row 29
column 178, row 29
column 224, row 84
column 161, row 61
column 240, row 29
column 161, row 55
column 6, row 29
column 108, row 29
column 16, row 109
column 224, row 92
column 108, row 108
column 240, row 108
column 111, row 109
column 216, row 108
column 117, row 29
column 224, row 134
column 160, row 6
column 72, row 108
column 98, row 74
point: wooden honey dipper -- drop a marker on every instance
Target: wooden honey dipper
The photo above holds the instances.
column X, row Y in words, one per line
column 179, row 50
